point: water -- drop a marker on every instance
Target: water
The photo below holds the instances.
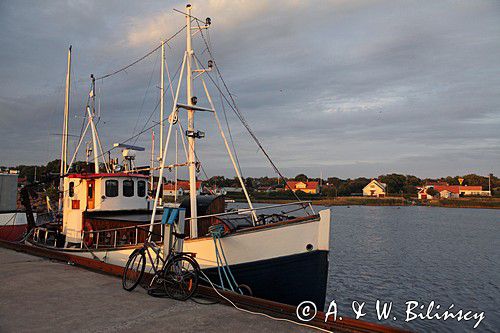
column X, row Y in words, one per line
column 417, row 253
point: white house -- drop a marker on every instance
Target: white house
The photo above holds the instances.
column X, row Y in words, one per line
column 182, row 188
column 375, row 189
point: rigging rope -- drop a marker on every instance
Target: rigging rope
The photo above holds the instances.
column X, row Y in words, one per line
column 208, row 48
column 145, row 94
column 247, row 127
column 141, row 58
column 235, row 109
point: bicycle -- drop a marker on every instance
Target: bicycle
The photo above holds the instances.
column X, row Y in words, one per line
column 178, row 273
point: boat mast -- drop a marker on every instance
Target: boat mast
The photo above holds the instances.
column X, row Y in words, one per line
column 64, row 147
column 92, row 124
column 190, row 129
column 162, row 95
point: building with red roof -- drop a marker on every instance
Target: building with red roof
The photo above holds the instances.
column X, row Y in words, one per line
column 452, row 191
column 307, row 187
column 182, row 188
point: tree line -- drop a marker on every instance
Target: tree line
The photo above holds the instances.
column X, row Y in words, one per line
column 397, row 184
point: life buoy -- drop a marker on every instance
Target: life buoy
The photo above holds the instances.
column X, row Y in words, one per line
column 88, row 236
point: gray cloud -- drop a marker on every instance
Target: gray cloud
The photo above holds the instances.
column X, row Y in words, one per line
column 344, row 88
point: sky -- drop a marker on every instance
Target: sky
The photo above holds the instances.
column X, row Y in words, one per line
column 334, row 88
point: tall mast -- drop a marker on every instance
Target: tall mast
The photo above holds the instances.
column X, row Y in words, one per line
column 162, row 95
column 64, row 145
column 92, row 124
column 191, row 139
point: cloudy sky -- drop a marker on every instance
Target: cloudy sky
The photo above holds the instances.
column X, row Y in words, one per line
column 346, row 88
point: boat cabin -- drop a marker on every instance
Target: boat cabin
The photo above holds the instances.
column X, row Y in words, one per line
column 101, row 192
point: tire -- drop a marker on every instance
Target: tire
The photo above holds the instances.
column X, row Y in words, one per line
column 134, row 270
column 180, row 278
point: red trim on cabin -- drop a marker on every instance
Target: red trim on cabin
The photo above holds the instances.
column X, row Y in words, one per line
column 103, row 175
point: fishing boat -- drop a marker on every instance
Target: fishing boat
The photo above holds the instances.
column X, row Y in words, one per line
column 279, row 252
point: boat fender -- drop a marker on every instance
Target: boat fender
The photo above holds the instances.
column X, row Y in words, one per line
column 88, row 239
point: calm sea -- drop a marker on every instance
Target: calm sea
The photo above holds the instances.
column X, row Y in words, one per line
column 423, row 254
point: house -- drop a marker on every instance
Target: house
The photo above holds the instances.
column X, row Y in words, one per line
column 307, row 187
column 451, row 191
column 375, row 189
column 182, row 188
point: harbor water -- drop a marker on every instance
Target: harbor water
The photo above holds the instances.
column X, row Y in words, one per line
column 422, row 254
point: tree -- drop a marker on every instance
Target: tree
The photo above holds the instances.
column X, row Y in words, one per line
column 431, row 191
column 395, row 182
column 301, row 178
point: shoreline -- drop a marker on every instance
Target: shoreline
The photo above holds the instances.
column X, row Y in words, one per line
column 479, row 203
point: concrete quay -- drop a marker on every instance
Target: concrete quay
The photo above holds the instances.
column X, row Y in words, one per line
column 40, row 295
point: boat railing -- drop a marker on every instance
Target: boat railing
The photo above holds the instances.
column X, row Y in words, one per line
column 249, row 210
column 119, row 237
column 132, row 235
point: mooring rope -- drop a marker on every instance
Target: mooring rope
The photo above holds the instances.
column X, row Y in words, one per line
column 259, row 313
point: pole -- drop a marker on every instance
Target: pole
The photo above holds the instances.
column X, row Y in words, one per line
column 151, row 171
column 489, row 183
column 92, row 124
column 176, row 162
column 162, row 95
column 64, row 148
column 191, row 139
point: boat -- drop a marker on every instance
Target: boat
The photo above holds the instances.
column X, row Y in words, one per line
column 13, row 221
column 279, row 252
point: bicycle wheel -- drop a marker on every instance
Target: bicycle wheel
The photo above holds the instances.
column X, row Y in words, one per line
column 180, row 278
column 134, row 270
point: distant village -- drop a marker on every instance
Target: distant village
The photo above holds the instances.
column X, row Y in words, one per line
column 386, row 186
column 333, row 187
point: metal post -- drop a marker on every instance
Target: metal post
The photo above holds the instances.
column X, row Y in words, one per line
column 151, row 171
column 175, row 169
column 162, row 94
column 116, row 233
column 191, row 139
column 92, row 124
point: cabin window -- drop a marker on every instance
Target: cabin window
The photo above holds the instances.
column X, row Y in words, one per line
column 128, row 188
column 71, row 190
column 90, row 192
column 111, row 188
column 141, row 188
